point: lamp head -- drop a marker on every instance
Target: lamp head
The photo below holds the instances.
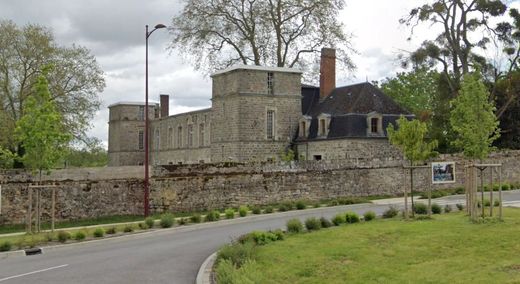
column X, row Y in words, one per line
column 160, row 26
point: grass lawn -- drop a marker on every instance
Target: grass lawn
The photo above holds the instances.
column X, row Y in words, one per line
column 448, row 249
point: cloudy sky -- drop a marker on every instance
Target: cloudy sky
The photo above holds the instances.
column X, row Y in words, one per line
column 114, row 31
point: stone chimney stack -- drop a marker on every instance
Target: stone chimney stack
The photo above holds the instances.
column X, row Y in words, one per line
column 327, row 72
column 165, row 105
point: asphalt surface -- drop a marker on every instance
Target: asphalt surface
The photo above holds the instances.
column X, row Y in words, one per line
column 164, row 256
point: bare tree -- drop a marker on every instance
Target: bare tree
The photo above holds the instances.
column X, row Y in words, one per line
column 285, row 33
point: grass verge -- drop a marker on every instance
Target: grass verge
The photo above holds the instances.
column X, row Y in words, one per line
column 447, row 249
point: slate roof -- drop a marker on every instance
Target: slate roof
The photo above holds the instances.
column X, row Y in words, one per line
column 348, row 108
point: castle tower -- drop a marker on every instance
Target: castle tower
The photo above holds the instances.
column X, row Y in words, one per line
column 255, row 112
column 126, row 132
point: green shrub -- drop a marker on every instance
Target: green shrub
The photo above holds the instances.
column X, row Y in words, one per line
column 98, row 233
column 256, row 210
column 460, row 190
column 447, row 208
column 333, row 203
column 237, row 253
column 300, row 205
column 262, row 238
column 369, row 216
column 79, row 236
column 351, row 217
column 183, row 221
column 496, row 187
column 294, row 226
column 196, row 218
column 506, row 186
column 496, row 202
column 420, row 208
column 285, row 206
column 317, row 205
column 390, row 212
column 142, row 225
column 436, row 208
column 228, row 273
column 167, row 220
column 312, row 224
column 338, row 219
column 111, row 230
column 149, row 222
column 128, row 228
column 6, row 246
column 279, row 234
column 212, row 216
column 242, row 211
column 268, row 209
column 49, row 237
column 230, row 213
column 63, row 236
column 325, row 223
column 459, row 206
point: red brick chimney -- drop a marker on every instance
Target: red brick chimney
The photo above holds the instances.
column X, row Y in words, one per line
column 165, row 105
column 327, row 72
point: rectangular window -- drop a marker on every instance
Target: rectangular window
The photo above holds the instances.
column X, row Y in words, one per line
column 179, row 137
column 157, row 139
column 373, row 125
column 322, row 127
column 141, row 140
column 317, row 157
column 190, row 135
column 140, row 114
column 201, row 135
column 270, row 83
column 170, row 137
column 270, row 124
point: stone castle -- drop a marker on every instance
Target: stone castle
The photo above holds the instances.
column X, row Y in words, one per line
column 257, row 114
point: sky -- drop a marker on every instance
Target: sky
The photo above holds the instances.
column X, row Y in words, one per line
column 114, row 31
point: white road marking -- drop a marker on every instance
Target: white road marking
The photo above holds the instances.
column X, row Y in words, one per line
column 33, row 272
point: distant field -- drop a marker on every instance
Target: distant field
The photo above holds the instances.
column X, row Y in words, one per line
column 448, row 249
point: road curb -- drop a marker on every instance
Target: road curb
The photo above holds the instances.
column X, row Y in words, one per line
column 204, row 274
column 14, row 253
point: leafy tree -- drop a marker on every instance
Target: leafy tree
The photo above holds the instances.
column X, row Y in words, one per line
column 75, row 80
column 473, row 118
column 6, row 158
column 91, row 155
column 410, row 138
column 284, row 33
column 507, row 91
column 462, row 23
column 414, row 90
column 41, row 129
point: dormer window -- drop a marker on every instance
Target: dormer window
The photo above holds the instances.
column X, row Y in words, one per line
column 270, row 83
column 303, row 129
column 323, row 125
column 375, row 124
column 305, row 123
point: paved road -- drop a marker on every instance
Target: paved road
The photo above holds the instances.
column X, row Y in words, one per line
column 165, row 256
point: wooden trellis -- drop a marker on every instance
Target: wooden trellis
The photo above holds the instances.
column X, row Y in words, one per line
column 471, row 186
column 30, row 210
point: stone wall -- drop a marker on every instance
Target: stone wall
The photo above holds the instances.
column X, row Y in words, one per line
column 197, row 187
column 357, row 149
column 118, row 190
column 80, row 193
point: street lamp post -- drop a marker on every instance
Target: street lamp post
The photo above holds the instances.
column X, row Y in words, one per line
column 146, row 124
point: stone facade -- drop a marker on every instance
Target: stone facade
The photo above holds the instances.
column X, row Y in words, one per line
column 126, row 132
column 247, row 103
column 357, row 150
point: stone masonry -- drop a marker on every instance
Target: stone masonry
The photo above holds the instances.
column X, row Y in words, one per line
column 97, row 192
